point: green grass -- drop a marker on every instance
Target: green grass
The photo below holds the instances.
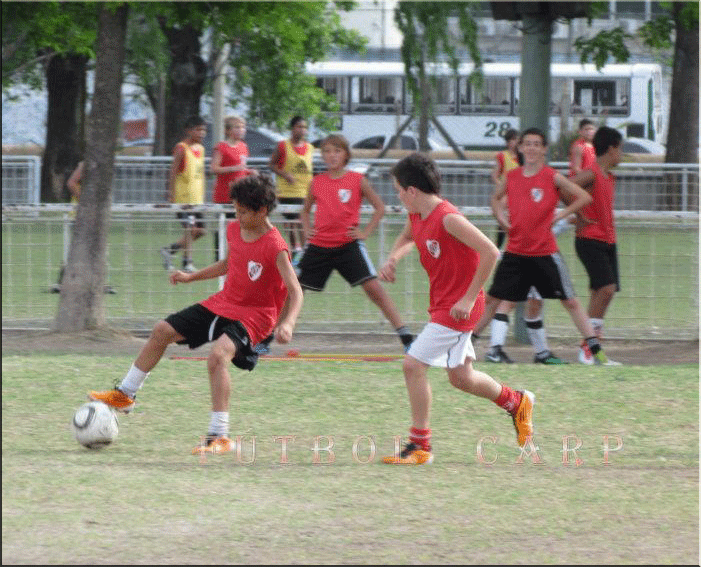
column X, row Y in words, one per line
column 658, row 266
column 145, row 499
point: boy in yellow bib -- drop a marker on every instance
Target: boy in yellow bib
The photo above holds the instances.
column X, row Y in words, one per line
column 186, row 185
column 292, row 163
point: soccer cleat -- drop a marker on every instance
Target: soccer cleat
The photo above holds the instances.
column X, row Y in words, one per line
column 496, row 354
column 214, row 445
column 189, row 268
column 115, row 399
column 523, row 417
column 548, row 358
column 167, row 256
column 412, row 454
column 585, row 355
column 600, row 359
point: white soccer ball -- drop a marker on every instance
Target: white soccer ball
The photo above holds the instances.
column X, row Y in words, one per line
column 95, row 425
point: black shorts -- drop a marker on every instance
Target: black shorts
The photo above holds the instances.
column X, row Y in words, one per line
column 199, row 326
column 190, row 219
column 600, row 260
column 351, row 260
column 515, row 275
column 290, row 201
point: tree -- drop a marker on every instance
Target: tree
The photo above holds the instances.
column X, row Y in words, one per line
column 81, row 304
column 681, row 23
column 270, row 44
column 51, row 43
column 427, row 38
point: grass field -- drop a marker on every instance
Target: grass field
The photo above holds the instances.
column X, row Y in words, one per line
column 146, row 500
column 658, row 299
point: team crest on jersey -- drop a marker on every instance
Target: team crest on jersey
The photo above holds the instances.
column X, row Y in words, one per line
column 536, row 194
column 434, row 249
column 254, row 270
column 344, row 195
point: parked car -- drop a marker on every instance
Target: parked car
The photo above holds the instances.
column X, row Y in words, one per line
column 642, row 146
column 261, row 141
column 407, row 141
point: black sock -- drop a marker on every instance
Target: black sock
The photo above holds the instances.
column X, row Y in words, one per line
column 593, row 344
column 404, row 335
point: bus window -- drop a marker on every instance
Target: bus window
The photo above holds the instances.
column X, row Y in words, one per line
column 337, row 87
column 595, row 97
column 376, row 94
column 493, row 98
column 445, row 95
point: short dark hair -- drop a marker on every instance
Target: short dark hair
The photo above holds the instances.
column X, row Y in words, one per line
column 585, row 122
column 194, row 121
column 255, row 192
column 510, row 134
column 534, row 132
column 295, row 120
column 420, row 171
column 604, row 138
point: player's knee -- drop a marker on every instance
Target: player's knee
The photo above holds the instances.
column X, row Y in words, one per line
column 163, row 332
column 411, row 367
column 219, row 356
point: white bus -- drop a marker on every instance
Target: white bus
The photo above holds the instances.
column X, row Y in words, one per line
column 374, row 98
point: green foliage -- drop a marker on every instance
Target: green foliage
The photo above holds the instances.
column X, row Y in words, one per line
column 605, row 44
column 34, row 31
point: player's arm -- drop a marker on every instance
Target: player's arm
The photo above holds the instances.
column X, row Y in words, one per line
column 498, row 203
column 496, row 171
column 401, row 247
column 293, row 302
column 304, row 215
column 577, row 155
column 213, row 271
column 216, row 167
column 178, row 157
column 275, row 167
column 464, row 231
column 572, row 194
column 376, row 201
column 74, row 180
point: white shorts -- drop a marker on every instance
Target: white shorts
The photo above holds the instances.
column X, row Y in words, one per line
column 442, row 346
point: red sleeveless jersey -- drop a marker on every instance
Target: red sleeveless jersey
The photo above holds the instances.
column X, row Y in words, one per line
column 337, row 208
column 254, row 292
column 230, row 156
column 600, row 209
column 450, row 266
column 531, row 201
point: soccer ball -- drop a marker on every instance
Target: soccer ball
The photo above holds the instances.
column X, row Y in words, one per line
column 95, row 425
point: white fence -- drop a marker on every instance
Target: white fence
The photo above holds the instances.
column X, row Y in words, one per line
column 142, row 180
column 658, row 254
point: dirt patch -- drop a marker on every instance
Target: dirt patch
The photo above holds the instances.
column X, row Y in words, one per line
column 110, row 342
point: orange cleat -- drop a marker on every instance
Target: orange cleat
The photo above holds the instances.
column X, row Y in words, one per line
column 214, row 445
column 115, row 399
column 523, row 418
column 412, row 454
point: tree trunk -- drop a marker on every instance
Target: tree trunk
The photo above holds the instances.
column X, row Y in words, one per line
column 683, row 133
column 65, row 81
column 81, row 305
column 186, row 80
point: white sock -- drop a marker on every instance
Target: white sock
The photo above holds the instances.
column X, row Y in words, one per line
column 499, row 330
column 536, row 333
column 133, row 381
column 597, row 324
column 219, row 423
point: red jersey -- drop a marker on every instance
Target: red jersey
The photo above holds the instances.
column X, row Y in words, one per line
column 254, row 292
column 531, row 202
column 230, row 156
column 588, row 155
column 337, row 208
column 600, row 209
column 450, row 266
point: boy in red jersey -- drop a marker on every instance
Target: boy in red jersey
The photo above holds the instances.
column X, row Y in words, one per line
column 532, row 257
column 261, row 293
column 229, row 165
column 595, row 231
column 336, row 241
column 582, row 151
column 458, row 259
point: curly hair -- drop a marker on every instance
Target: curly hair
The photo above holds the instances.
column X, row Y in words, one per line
column 255, row 192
